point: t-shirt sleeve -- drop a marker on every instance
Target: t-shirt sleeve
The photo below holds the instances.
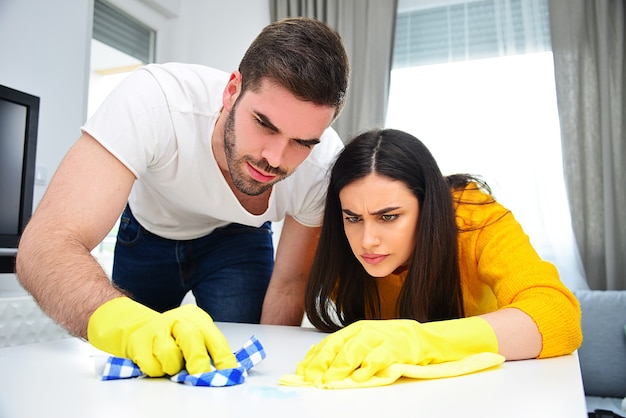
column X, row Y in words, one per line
column 310, row 188
column 134, row 123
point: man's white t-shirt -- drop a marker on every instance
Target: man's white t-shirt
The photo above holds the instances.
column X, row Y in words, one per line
column 159, row 121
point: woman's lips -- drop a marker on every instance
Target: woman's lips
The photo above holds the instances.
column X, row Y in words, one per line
column 373, row 258
column 258, row 175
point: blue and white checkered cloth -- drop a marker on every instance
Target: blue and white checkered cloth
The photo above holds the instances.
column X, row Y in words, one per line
column 251, row 354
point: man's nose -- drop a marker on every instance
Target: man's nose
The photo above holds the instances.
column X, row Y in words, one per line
column 274, row 151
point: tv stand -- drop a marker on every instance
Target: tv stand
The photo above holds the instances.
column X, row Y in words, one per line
column 7, row 260
column 8, row 252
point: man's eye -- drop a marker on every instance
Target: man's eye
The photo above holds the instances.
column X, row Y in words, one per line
column 305, row 144
column 260, row 122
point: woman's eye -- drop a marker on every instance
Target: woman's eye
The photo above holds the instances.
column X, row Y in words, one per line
column 352, row 219
column 388, row 218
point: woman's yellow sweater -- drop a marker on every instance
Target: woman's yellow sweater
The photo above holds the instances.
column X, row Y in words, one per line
column 500, row 269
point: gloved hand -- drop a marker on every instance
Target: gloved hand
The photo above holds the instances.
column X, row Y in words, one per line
column 364, row 348
column 470, row 364
column 160, row 343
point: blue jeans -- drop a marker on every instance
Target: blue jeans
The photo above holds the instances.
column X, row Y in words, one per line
column 228, row 270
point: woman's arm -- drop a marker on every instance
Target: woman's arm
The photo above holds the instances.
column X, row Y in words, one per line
column 517, row 334
column 530, row 298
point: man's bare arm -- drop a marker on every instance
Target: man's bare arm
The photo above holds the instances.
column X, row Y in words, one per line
column 82, row 203
column 284, row 301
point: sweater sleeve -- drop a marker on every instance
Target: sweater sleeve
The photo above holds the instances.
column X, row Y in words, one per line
column 497, row 254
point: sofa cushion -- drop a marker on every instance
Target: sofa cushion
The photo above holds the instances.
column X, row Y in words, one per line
column 603, row 351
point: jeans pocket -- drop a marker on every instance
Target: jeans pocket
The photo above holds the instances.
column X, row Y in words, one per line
column 129, row 232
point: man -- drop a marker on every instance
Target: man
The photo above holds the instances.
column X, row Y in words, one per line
column 199, row 162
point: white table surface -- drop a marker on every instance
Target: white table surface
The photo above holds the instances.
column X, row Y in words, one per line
column 57, row 379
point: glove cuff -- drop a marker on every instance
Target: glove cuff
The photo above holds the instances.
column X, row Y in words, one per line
column 111, row 324
column 459, row 338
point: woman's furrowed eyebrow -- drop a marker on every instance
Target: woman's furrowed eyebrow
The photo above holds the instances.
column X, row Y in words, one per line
column 378, row 212
column 385, row 210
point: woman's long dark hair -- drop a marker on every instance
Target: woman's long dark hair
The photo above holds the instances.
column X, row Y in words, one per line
column 339, row 290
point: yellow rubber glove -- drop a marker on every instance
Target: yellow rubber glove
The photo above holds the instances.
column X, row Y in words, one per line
column 470, row 364
column 160, row 343
column 365, row 348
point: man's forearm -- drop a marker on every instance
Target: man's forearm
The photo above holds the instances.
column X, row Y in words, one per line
column 283, row 306
column 284, row 300
column 65, row 280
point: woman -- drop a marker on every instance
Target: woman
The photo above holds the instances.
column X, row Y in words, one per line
column 448, row 268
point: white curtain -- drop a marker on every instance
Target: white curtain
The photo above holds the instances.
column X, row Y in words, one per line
column 475, row 82
column 367, row 28
column 589, row 46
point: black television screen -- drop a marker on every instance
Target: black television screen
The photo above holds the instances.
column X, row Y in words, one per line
column 19, row 117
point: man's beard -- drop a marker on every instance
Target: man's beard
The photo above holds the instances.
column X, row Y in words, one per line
column 241, row 180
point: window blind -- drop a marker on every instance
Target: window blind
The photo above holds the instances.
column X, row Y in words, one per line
column 470, row 30
column 120, row 31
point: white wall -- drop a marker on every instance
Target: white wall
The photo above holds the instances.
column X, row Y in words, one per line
column 209, row 32
column 214, row 32
column 44, row 51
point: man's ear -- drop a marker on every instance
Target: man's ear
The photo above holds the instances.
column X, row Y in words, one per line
column 231, row 91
